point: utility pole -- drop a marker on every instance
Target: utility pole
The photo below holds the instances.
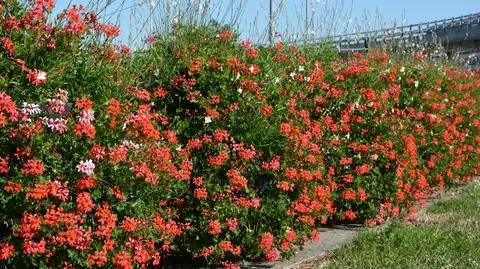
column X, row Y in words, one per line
column 270, row 23
column 306, row 20
column 312, row 19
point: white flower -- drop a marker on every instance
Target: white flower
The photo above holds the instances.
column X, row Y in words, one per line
column 293, row 74
column 277, row 80
column 208, row 119
column 402, row 69
column 41, row 75
column 239, row 90
column 252, row 69
column 30, row 109
column 301, row 68
column 416, row 83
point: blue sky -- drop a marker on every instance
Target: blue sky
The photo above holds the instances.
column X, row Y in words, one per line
column 329, row 16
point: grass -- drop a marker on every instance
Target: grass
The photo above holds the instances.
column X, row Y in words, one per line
column 447, row 236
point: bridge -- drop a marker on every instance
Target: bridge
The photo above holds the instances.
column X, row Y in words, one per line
column 458, row 35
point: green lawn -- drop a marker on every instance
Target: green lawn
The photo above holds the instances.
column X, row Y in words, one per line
column 448, row 236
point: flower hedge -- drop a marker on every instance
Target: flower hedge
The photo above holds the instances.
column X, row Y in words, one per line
column 205, row 146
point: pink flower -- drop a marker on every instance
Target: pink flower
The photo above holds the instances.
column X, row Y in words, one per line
column 56, row 105
column 272, row 254
column 57, row 125
column 86, row 167
column 255, row 203
column 86, row 116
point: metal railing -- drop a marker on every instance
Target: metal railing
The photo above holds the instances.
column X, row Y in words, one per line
column 402, row 32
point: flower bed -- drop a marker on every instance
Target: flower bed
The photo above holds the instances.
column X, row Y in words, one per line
column 205, row 146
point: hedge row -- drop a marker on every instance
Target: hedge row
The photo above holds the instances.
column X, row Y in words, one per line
column 205, row 146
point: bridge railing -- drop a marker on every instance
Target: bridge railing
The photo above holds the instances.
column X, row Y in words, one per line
column 412, row 30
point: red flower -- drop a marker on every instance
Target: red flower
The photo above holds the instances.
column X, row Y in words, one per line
column 87, row 130
column 225, row 246
column 236, row 179
column 214, row 227
column 231, row 224
column 266, row 110
column 84, row 202
column 284, row 186
column 272, row 254
column 349, row 214
column 207, row 251
column 6, row 251
column 117, row 154
column 113, row 107
column 118, row 193
column 349, row 194
column 4, row 165
column 37, row 77
column 97, row 152
column 129, row 224
column 107, row 221
column 99, row 258
column 266, row 241
column 13, row 187
column 346, row 161
column 30, row 247
column 8, row 44
column 142, row 95
column 33, row 168
column 83, row 103
column 200, row 193
column 39, row 191
column 230, row 265
column 362, row 169
column 123, row 260
column 85, row 183
column 159, row 92
column 109, row 30
column 218, row 160
column 224, row 35
column 220, row 135
column 369, row 94
column 362, row 195
column 411, row 149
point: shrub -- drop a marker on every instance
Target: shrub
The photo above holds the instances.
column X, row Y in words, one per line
column 206, row 146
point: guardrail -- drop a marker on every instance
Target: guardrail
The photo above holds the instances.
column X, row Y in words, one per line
column 402, row 32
